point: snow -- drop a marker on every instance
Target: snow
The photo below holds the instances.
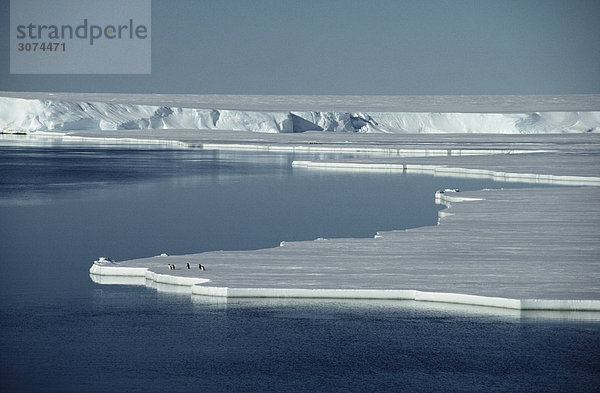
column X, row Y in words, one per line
column 59, row 114
column 443, row 170
column 37, row 115
column 340, row 103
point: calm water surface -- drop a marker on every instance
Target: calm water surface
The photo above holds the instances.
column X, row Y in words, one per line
column 63, row 205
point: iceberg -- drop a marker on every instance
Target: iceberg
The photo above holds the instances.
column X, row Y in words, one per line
column 56, row 114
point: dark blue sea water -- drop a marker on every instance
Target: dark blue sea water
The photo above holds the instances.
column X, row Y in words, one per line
column 63, row 205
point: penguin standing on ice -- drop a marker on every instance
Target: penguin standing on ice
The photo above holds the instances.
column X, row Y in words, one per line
column 201, row 267
column 170, row 267
column 187, row 265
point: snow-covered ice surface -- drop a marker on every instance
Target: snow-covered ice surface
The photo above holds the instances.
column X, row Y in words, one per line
column 27, row 112
column 519, row 249
column 339, row 103
column 532, row 248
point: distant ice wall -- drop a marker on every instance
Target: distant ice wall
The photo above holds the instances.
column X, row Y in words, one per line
column 29, row 115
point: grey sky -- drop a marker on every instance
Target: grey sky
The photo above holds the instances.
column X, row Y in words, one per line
column 354, row 47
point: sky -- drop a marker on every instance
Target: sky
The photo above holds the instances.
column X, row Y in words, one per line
column 375, row 47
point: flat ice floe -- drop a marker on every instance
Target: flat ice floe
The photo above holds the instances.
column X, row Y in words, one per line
column 518, row 249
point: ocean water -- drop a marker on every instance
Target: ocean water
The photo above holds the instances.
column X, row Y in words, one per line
column 64, row 204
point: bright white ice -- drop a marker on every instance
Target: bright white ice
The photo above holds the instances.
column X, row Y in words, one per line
column 64, row 112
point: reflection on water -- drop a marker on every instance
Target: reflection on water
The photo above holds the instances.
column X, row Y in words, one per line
column 288, row 305
column 49, row 169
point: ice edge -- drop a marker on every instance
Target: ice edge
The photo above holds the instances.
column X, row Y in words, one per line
column 196, row 287
column 143, row 276
column 443, row 170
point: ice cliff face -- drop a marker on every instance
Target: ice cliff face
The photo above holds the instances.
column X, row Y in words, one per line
column 42, row 115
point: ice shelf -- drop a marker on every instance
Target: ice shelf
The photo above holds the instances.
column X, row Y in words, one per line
column 65, row 112
column 523, row 249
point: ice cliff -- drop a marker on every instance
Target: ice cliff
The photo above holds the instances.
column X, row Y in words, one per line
column 29, row 115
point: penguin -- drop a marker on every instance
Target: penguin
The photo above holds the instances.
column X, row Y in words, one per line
column 187, row 265
column 170, row 267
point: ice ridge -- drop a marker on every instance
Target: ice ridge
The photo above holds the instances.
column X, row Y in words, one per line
column 30, row 115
